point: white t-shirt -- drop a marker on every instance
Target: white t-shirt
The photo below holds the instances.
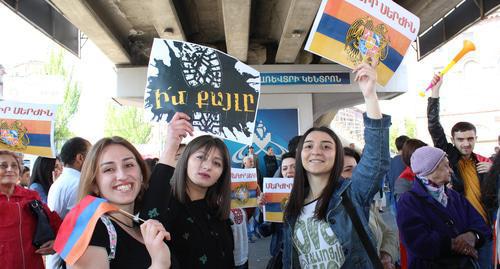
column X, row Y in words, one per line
column 239, row 218
column 61, row 198
column 315, row 241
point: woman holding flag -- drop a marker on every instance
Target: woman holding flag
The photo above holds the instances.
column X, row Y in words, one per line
column 326, row 218
column 194, row 201
column 115, row 171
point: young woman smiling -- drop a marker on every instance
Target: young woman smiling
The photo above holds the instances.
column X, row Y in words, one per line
column 114, row 170
column 318, row 232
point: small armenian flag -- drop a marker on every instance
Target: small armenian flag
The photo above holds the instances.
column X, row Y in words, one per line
column 78, row 226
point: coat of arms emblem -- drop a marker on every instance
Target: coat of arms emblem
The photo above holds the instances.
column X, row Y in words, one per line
column 14, row 135
column 366, row 42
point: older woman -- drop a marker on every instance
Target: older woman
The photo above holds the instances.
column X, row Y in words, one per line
column 17, row 222
column 438, row 226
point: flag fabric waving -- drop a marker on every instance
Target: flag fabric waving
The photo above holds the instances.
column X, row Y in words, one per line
column 78, row 226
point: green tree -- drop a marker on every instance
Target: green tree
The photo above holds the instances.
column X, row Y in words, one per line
column 69, row 107
column 410, row 127
column 394, row 132
column 127, row 122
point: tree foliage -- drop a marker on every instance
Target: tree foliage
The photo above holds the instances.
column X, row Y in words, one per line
column 394, row 132
column 69, row 107
column 127, row 122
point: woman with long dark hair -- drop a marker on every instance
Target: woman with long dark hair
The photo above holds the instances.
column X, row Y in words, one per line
column 195, row 206
column 42, row 176
column 318, row 230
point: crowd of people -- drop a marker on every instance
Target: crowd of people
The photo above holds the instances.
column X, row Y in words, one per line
column 441, row 203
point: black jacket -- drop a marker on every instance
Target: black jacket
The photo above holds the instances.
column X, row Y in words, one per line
column 439, row 138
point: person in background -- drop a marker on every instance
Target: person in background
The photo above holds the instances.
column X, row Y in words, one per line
column 405, row 180
column 424, row 214
column 274, row 229
column 24, row 180
column 468, row 167
column 404, row 183
column 42, row 176
column 396, row 168
column 238, row 217
column 251, row 212
column 490, row 190
column 17, row 222
column 63, row 193
column 386, row 239
column 58, row 168
column 497, row 152
column 292, row 148
column 270, row 162
column 251, row 152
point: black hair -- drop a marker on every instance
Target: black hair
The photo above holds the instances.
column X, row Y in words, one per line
column 42, row 172
column 408, row 148
column 462, row 126
column 352, row 153
column 489, row 188
column 293, row 143
column 72, row 148
column 400, row 141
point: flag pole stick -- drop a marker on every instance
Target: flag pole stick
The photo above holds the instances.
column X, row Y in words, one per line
column 134, row 218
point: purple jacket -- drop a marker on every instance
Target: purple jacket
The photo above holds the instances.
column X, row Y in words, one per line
column 424, row 234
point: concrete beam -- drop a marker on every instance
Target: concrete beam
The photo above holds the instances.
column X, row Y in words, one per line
column 236, row 14
column 429, row 11
column 84, row 18
column 165, row 20
column 300, row 17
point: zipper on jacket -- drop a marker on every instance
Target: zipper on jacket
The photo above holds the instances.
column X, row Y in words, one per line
column 21, row 234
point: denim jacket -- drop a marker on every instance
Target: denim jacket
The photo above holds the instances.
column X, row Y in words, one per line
column 362, row 187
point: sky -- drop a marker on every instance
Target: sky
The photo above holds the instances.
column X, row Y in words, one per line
column 93, row 70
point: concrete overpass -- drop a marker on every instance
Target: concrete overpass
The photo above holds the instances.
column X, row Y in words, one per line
column 268, row 34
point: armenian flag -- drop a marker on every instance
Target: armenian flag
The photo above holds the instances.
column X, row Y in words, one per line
column 27, row 128
column 78, row 226
column 277, row 192
column 367, row 27
column 243, row 188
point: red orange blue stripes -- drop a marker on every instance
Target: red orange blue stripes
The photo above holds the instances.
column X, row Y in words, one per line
column 78, row 226
column 329, row 31
column 337, row 29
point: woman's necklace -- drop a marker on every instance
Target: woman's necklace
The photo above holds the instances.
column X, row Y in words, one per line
column 122, row 222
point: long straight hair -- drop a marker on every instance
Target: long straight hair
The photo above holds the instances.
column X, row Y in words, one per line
column 218, row 196
column 301, row 185
column 42, row 172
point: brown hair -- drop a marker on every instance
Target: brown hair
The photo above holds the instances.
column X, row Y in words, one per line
column 91, row 167
column 13, row 155
column 218, row 196
column 409, row 147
